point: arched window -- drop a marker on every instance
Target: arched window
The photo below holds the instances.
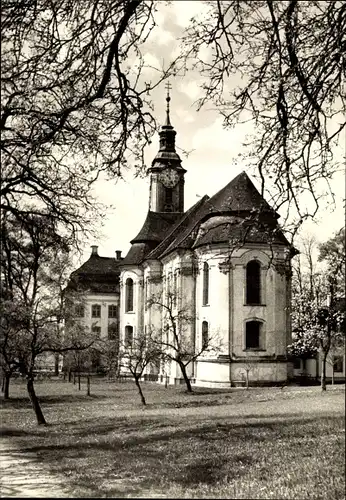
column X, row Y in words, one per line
column 128, row 336
column 205, row 284
column 205, row 334
column 129, row 295
column 253, row 282
column 253, row 335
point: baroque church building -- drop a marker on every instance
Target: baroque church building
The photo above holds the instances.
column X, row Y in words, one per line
column 225, row 262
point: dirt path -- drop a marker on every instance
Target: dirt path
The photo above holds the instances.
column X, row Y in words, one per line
column 23, row 476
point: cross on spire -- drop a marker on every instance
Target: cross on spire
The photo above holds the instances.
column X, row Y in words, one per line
column 168, row 87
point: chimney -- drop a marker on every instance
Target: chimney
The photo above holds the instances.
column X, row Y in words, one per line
column 118, row 253
column 94, row 250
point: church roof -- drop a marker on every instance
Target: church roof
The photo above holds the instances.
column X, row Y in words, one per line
column 247, row 218
column 177, row 229
column 154, row 230
column 238, row 195
column 98, row 274
column 155, row 226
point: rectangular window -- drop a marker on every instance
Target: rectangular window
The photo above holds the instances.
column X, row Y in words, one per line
column 296, row 364
column 112, row 311
column 253, row 333
column 113, row 331
column 96, row 311
column 338, row 364
column 96, row 330
column 79, row 311
column 128, row 336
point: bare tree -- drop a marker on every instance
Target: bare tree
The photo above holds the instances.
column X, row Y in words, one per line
column 32, row 314
column 74, row 102
column 176, row 342
column 280, row 65
column 136, row 354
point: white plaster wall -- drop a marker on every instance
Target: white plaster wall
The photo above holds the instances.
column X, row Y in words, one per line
column 133, row 318
column 260, row 372
column 216, row 312
column 104, row 300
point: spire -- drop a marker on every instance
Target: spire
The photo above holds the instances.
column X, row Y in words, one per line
column 168, row 98
column 167, row 153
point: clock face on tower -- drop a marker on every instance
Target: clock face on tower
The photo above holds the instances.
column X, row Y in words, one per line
column 169, row 177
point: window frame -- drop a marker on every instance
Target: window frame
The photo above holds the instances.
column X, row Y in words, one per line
column 129, row 295
column 78, row 308
column 253, row 290
column 128, row 330
column 205, row 332
column 112, row 307
column 115, row 328
column 97, row 330
column 261, row 335
column 340, row 360
column 98, row 306
column 205, row 284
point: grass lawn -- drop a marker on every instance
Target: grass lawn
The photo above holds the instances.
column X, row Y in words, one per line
column 260, row 443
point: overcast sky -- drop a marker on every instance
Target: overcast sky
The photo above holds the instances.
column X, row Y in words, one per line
column 213, row 159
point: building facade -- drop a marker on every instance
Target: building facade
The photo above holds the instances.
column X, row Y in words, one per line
column 225, row 262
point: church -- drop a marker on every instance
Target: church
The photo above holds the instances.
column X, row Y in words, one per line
column 225, row 262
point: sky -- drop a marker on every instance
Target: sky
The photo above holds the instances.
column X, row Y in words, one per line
column 213, row 159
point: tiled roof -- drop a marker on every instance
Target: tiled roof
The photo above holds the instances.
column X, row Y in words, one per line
column 97, row 274
column 137, row 253
column 238, row 195
column 249, row 220
column 178, row 229
column 155, row 226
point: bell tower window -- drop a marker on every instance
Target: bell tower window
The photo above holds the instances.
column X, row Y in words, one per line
column 169, row 200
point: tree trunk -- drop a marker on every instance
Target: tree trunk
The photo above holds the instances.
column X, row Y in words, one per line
column 323, row 374
column 35, row 402
column 186, row 378
column 6, row 386
column 140, row 391
column 78, row 381
column 56, row 365
column 74, row 378
column 88, row 385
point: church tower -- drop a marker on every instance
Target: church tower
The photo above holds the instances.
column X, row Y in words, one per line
column 166, row 173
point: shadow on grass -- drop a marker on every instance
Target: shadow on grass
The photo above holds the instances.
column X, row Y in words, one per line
column 144, row 453
column 24, row 402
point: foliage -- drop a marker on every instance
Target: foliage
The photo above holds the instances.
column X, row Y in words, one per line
column 318, row 306
column 280, row 65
